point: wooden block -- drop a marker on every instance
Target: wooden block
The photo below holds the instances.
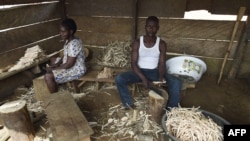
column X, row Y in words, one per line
column 66, row 119
column 16, row 118
column 156, row 105
column 41, row 89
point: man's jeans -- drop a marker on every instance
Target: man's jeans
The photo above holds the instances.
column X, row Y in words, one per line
column 173, row 83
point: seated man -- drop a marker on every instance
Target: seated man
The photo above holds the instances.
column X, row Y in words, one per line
column 72, row 66
column 148, row 64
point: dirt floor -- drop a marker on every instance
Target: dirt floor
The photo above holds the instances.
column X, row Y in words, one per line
column 230, row 100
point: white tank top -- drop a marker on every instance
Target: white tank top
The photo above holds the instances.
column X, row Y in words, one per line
column 149, row 57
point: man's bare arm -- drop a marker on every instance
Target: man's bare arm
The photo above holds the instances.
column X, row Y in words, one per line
column 162, row 60
column 134, row 62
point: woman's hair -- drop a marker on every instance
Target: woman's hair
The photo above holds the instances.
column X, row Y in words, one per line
column 69, row 24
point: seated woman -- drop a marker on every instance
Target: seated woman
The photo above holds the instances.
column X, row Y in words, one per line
column 72, row 66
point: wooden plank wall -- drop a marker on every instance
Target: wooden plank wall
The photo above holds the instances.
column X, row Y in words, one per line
column 244, row 71
column 199, row 38
column 102, row 22
column 28, row 25
column 226, row 7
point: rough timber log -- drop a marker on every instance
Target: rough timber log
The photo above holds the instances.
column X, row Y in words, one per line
column 17, row 120
column 66, row 119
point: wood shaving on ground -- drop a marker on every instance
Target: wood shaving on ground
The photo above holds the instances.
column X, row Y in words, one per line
column 189, row 124
column 134, row 124
column 32, row 104
column 116, row 54
column 31, row 55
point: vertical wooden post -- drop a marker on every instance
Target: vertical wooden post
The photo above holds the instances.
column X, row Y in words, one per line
column 135, row 16
column 17, row 120
column 239, row 16
column 240, row 52
column 63, row 9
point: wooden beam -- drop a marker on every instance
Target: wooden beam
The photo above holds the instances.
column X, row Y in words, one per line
column 239, row 17
column 35, row 64
column 67, row 122
column 12, row 2
column 240, row 52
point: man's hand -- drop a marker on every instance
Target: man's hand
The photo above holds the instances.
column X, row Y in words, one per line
column 145, row 83
column 161, row 79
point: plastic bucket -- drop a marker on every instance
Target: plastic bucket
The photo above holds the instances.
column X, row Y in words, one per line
column 186, row 67
column 217, row 119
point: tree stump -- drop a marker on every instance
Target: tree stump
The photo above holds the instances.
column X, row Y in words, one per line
column 156, row 105
column 17, row 120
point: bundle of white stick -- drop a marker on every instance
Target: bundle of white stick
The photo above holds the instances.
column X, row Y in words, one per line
column 31, row 55
column 189, row 124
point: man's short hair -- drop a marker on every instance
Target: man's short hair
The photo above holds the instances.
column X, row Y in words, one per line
column 153, row 18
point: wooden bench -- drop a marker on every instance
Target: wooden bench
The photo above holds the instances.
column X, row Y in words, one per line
column 41, row 89
column 91, row 76
column 66, row 120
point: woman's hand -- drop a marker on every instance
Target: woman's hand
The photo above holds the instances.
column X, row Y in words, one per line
column 49, row 69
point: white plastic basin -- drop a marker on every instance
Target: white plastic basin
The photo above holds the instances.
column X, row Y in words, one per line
column 186, row 67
